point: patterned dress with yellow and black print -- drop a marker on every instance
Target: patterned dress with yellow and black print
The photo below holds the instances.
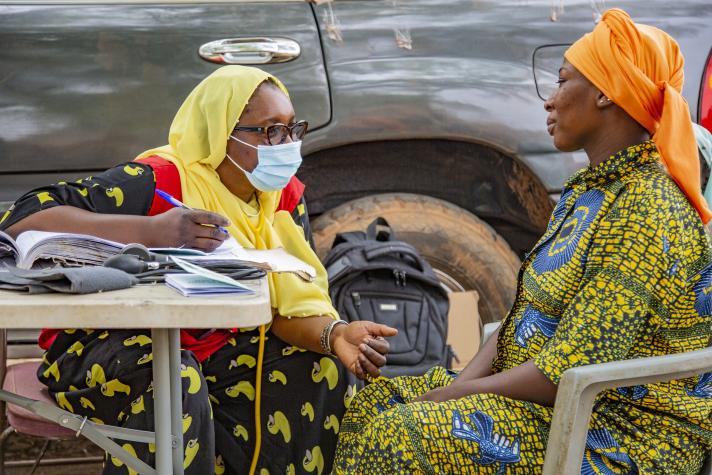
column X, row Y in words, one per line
column 623, row 271
column 106, row 375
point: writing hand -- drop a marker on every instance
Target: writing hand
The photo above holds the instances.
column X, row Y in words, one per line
column 195, row 229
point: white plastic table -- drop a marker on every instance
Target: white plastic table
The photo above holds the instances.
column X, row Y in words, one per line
column 154, row 307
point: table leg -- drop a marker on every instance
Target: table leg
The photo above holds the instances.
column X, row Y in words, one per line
column 162, row 401
column 176, row 400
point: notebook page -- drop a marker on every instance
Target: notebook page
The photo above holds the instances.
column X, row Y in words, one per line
column 225, row 249
column 60, row 245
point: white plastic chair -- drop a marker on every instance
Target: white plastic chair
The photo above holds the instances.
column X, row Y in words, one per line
column 579, row 386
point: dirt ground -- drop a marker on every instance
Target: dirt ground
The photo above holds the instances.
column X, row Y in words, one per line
column 21, row 447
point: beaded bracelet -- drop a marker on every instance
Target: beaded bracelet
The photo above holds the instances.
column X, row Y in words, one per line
column 326, row 336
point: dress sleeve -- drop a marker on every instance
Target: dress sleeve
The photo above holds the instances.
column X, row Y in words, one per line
column 624, row 293
column 300, row 215
column 125, row 189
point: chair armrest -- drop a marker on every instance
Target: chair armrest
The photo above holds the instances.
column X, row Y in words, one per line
column 578, row 389
column 488, row 330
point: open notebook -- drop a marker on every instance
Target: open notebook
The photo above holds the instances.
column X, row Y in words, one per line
column 41, row 249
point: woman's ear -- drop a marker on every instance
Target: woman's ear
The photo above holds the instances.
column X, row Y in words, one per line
column 602, row 101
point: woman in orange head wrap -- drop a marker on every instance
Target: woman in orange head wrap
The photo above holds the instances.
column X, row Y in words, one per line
column 639, row 69
column 623, row 271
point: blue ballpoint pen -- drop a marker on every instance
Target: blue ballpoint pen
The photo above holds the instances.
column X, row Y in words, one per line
column 179, row 204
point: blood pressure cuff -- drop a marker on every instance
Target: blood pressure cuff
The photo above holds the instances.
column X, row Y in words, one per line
column 68, row 280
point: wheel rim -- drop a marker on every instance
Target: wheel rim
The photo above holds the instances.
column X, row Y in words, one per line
column 448, row 282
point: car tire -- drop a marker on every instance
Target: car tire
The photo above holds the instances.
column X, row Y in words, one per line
column 464, row 250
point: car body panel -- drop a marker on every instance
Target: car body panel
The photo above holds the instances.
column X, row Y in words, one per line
column 469, row 74
column 85, row 87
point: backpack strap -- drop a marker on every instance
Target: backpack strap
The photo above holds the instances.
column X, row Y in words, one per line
column 380, row 230
column 407, row 251
column 338, row 268
column 373, row 233
column 351, row 237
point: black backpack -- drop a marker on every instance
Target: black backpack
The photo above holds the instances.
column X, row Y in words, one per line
column 374, row 277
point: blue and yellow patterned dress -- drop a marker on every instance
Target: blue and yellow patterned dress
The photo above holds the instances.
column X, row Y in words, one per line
column 623, row 271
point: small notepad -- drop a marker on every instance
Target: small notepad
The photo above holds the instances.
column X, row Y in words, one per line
column 191, row 285
column 201, row 281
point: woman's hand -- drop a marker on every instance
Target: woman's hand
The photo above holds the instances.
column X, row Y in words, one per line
column 454, row 390
column 195, row 229
column 361, row 346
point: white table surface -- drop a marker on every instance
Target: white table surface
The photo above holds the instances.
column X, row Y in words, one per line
column 149, row 306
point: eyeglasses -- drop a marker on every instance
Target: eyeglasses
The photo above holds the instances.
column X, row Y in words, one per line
column 546, row 61
column 278, row 133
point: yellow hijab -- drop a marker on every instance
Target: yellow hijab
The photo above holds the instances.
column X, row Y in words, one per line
column 640, row 68
column 197, row 143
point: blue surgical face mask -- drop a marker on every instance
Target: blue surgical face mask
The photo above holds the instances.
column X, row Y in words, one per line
column 276, row 165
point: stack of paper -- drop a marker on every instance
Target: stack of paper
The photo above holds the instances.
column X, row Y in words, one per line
column 203, row 282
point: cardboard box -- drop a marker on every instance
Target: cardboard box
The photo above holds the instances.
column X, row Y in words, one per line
column 464, row 328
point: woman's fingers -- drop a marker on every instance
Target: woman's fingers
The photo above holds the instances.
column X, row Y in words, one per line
column 210, row 232
column 208, row 225
column 434, row 395
column 373, row 356
column 203, row 244
column 379, row 344
column 369, row 367
column 358, row 371
column 199, row 216
column 205, row 231
column 381, row 330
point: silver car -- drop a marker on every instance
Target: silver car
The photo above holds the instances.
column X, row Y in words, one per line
column 422, row 111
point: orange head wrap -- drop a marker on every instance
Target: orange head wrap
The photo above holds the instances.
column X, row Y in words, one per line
column 640, row 68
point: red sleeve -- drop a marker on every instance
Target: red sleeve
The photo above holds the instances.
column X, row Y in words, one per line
column 167, row 179
column 47, row 337
column 291, row 194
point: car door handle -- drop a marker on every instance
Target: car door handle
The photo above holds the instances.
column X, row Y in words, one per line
column 255, row 50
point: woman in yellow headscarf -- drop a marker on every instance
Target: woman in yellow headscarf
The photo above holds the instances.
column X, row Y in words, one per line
column 234, row 145
column 623, row 271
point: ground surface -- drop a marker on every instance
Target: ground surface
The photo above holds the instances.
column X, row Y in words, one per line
column 20, row 447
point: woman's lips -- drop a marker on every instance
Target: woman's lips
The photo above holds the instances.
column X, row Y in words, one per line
column 550, row 127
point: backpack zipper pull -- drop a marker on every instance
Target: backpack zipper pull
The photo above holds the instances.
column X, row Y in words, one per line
column 357, row 298
column 397, row 276
column 403, row 278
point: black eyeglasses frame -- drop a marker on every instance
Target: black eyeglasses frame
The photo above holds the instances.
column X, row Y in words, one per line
column 266, row 130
